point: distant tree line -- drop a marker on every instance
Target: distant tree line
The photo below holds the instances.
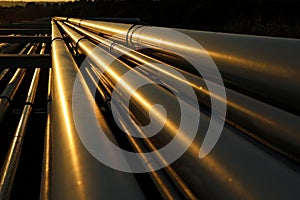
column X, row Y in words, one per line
column 262, row 17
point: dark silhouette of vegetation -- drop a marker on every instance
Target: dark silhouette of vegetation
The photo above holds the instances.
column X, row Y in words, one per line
column 261, row 17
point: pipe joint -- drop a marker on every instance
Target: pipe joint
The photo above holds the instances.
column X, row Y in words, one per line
column 6, row 98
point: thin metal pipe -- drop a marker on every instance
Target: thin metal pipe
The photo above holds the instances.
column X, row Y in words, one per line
column 274, row 127
column 3, row 73
column 228, row 171
column 264, row 67
column 9, row 92
column 94, row 79
column 10, row 165
column 75, row 174
column 45, row 180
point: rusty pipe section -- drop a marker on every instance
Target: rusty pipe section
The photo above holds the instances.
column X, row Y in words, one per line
column 274, row 127
column 9, row 92
column 10, row 165
column 237, row 168
column 264, row 67
column 75, row 174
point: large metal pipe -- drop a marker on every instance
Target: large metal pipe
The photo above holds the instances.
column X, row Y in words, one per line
column 261, row 66
column 9, row 92
column 161, row 181
column 237, row 168
column 274, row 127
column 87, row 47
column 10, row 165
column 75, row 174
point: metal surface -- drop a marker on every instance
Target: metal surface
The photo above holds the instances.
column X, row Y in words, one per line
column 45, row 180
column 143, row 99
column 264, row 67
column 9, row 92
column 24, row 61
column 75, row 174
column 274, row 127
column 160, row 179
column 96, row 65
column 237, row 168
column 10, row 165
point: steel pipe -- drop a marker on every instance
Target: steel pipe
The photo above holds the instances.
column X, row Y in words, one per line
column 75, row 174
column 87, row 47
column 274, row 127
column 264, row 67
column 9, row 92
column 236, row 168
column 159, row 178
column 10, row 165
column 45, row 180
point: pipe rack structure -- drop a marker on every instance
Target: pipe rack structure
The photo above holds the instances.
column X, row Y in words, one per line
column 90, row 67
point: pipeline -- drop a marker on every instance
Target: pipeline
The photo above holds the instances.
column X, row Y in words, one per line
column 167, row 191
column 247, row 59
column 161, row 181
column 45, row 180
column 75, row 174
column 273, row 127
column 10, row 166
column 228, row 172
column 8, row 94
